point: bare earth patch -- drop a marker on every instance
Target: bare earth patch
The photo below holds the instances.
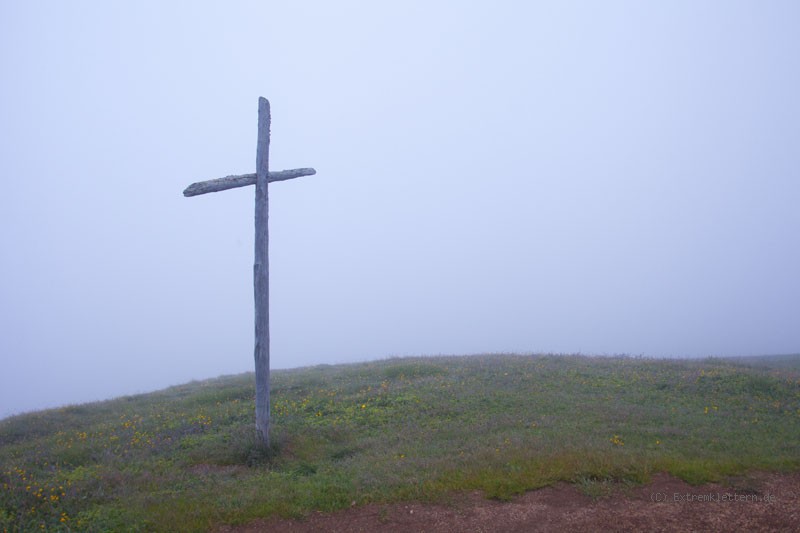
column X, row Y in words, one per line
column 760, row 502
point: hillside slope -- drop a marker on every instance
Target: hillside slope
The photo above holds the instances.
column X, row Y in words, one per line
column 184, row 459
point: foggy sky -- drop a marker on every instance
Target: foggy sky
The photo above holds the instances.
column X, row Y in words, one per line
column 594, row 177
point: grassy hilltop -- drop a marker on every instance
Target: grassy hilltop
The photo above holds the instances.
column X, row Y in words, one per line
column 184, row 459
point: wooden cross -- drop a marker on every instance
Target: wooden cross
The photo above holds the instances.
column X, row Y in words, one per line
column 261, row 266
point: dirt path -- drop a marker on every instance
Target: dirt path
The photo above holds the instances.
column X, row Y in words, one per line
column 762, row 502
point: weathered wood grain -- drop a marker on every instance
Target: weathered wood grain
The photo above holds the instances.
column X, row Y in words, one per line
column 261, row 273
column 243, row 180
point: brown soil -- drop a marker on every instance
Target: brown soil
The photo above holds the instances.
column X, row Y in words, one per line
column 760, row 502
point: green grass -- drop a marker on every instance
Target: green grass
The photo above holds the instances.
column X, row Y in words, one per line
column 185, row 459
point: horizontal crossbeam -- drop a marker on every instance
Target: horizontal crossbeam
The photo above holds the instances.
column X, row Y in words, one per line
column 243, row 180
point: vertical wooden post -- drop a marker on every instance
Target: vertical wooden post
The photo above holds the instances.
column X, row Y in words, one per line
column 261, row 274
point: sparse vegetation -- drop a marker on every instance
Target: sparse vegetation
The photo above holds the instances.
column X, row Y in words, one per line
column 186, row 459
